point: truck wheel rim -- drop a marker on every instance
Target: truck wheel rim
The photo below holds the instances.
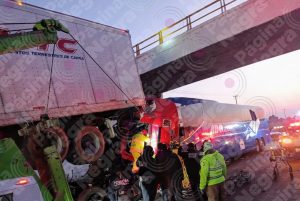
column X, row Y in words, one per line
column 89, row 144
column 52, row 136
column 59, row 139
column 56, row 141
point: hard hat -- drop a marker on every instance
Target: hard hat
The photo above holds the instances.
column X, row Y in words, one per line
column 207, row 146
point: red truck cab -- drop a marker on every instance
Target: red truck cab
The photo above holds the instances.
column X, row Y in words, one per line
column 163, row 121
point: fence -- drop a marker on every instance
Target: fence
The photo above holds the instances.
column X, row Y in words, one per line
column 207, row 12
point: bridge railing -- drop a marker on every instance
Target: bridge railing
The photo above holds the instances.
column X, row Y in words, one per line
column 207, row 12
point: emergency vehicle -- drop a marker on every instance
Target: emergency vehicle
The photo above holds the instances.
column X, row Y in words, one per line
column 233, row 129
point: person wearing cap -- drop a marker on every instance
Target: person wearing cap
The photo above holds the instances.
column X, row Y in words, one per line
column 212, row 173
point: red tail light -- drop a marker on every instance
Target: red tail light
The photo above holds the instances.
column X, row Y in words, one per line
column 23, row 182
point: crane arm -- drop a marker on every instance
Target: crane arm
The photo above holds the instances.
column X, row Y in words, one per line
column 44, row 32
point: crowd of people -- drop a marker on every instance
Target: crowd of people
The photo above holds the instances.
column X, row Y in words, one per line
column 164, row 170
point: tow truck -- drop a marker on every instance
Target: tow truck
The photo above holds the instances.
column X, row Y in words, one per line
column 83, row 95
column 18, row 180
column 36, row 172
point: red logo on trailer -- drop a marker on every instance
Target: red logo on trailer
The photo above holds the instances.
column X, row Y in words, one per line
column 63, row 44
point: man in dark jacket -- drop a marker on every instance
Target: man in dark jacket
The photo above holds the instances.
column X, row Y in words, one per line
column 170, row 173
column 192, row 164
column 147, row 174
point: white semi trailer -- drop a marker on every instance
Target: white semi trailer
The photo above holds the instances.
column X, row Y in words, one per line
column 80, row 95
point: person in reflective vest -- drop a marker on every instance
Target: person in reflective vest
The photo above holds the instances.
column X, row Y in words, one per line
column 212, row 173
column 137, row 146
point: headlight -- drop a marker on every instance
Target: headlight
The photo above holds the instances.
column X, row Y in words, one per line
column 286, row 141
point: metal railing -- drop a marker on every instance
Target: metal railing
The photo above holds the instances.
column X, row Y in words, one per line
column 216, row 7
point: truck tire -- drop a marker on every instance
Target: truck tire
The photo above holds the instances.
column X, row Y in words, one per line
column 89, row 144
column 90, row 194
column 52, row 136
column 62, row 141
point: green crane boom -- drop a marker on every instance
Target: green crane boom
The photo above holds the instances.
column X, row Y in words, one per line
column 60, row 182
column 43, row 32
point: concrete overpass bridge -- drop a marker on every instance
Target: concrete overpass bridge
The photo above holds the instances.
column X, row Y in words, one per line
column 217, row 39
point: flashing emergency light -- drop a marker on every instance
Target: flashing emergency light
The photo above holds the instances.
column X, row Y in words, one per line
column 23, row 181
column 286, row 141
column 295, row 124
column 278, row 127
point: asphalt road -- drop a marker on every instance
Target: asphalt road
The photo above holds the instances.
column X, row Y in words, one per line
column 262, row 186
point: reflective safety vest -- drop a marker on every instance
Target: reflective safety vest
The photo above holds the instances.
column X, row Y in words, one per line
column 137, row 143
column 137, row 147
column 213, row 170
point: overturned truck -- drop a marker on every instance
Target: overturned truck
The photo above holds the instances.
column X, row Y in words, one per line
column 81, row 95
